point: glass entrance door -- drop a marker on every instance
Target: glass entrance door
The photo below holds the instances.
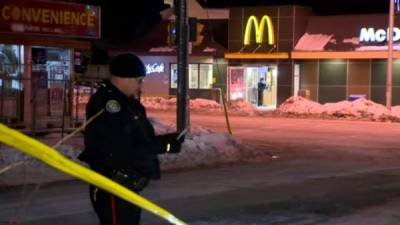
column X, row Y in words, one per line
column 251, row 85
column 261, row 86
column 271, row 92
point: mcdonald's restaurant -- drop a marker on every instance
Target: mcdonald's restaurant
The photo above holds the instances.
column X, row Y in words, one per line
column 40, row 47
column 282, row 51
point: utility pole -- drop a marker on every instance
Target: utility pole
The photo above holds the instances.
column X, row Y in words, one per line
column 389, row 77
column 182, row 36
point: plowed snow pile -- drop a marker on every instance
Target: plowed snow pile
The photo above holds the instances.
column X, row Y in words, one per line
column 358, row 109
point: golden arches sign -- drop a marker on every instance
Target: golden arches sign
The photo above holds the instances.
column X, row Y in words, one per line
column 259, row 30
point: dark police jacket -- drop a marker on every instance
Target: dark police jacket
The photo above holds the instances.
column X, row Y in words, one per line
column 121, row 137
column 262, row 86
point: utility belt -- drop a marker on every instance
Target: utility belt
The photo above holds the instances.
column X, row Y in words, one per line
column 130, row 179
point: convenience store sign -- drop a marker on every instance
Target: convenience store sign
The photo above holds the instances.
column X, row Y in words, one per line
column 49, row 18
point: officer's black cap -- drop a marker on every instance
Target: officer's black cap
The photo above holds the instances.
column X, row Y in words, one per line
column 127, row 65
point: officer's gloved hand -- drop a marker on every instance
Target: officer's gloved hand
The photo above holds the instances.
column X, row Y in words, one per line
column 171, row 143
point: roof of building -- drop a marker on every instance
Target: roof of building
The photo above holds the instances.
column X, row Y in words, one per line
column 214, row 39
column 340, row 33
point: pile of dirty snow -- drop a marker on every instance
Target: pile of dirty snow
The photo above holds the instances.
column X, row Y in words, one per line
column 158, row 103
column 396, row 111
column 202, row 147
column 299, row 105
column 242, row 108
column 236, row 107
column 359, row 109
column 205, row 105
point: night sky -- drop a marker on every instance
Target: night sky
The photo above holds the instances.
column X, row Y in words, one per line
column 319, row 6
column 122, row 22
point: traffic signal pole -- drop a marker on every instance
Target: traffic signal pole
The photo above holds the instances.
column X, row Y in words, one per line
column 389, row 78
column 182, row 36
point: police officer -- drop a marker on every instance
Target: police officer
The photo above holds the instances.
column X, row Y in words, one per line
column 120, row 143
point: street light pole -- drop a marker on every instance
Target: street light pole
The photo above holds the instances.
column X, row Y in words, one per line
column 389, row 78
column 182, row 35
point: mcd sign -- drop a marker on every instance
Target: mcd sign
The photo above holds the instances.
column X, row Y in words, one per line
column 258, row 28
column 378, row 35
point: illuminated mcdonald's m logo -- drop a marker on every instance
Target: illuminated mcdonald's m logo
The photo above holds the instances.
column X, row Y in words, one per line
column 259, row 30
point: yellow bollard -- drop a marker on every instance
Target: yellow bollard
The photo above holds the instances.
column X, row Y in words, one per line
column 226, row 115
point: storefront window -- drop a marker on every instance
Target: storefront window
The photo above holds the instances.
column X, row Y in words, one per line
column 193, row 76
column 174, row 75
column 205, row 76
column 11, row 71
column 16, row 85
column 11, row 60
column 51, row 71
column 55, row 61
column 200, row 76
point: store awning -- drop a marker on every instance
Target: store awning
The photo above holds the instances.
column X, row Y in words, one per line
column 275, row 55
column 343, row 55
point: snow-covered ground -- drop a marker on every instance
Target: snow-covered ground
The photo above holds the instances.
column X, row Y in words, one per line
column 362, row 109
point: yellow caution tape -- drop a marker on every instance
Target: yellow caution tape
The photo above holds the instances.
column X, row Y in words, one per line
column 57, row 160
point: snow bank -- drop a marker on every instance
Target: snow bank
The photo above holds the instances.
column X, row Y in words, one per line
column 358, row 109
column 205, row 105
column 240, row 107
column 237, row 107
column 202, row 147
column 396, row 111
column 370, row 109
column 299, row 105
column 203, row 150
column 158, row 103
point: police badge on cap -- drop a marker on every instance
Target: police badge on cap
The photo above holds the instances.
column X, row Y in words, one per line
column 113, row 106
